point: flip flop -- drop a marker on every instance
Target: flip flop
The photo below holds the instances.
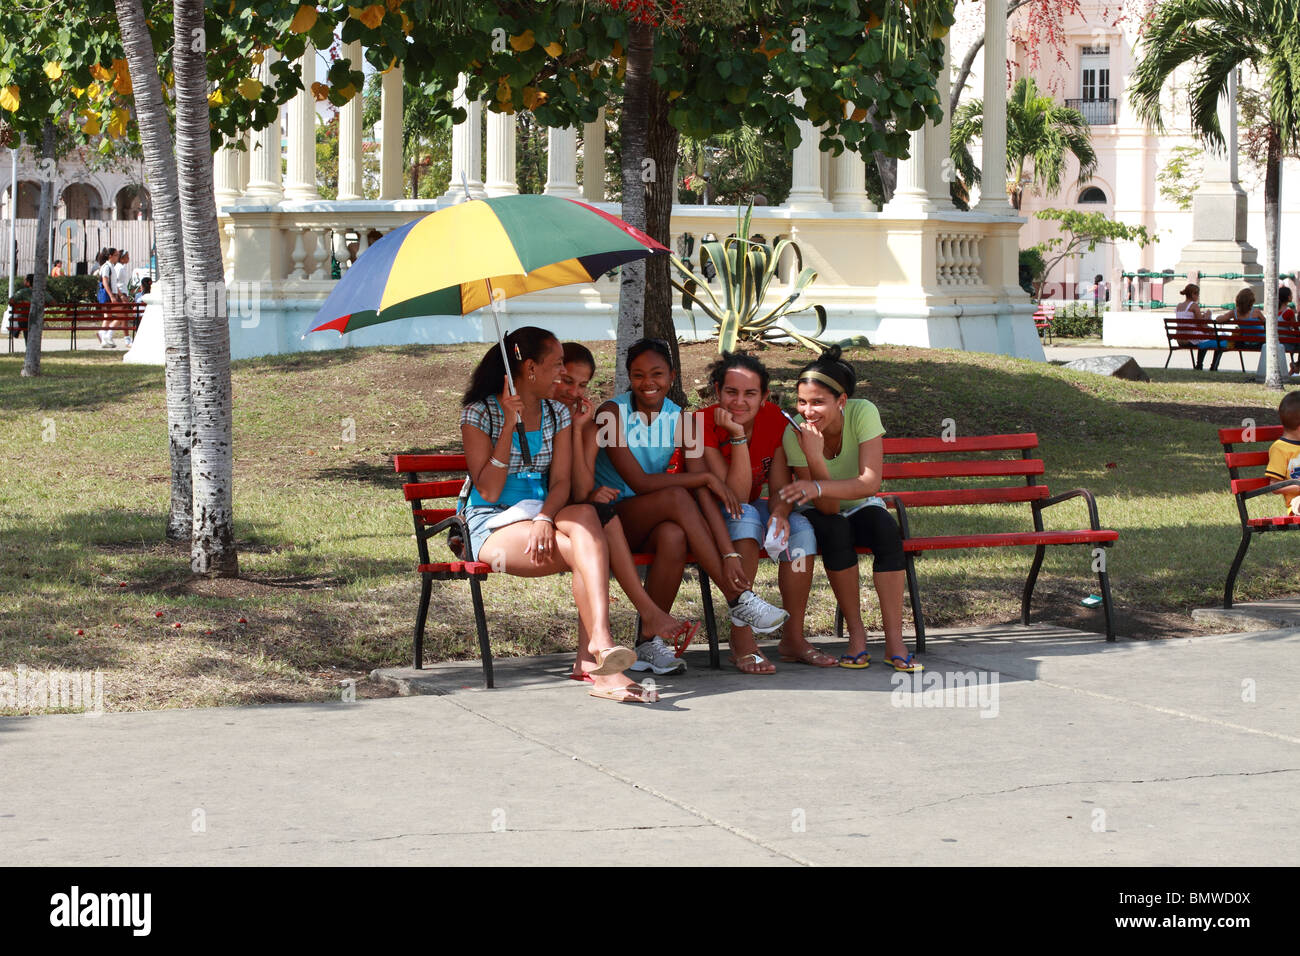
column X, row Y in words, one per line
column 613, row 660
column 681, row 643
column 855, row 661
column 636, row 694
column 812, row 657
column 905, row 664
column 758, row 659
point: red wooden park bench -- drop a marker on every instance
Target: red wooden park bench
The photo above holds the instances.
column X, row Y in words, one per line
column 1024, row 472
column 1244, row 489
column 1043, row 321
column 75, row 316
column 1024, row 485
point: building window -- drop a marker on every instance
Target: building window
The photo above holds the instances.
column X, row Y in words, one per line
column 1092, row 195
column 1095, row 101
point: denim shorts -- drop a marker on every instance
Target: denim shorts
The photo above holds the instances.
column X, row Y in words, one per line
column 752, row 523
column 477, row 519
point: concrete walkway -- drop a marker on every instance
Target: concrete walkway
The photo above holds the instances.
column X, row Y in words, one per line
column 1175, row 752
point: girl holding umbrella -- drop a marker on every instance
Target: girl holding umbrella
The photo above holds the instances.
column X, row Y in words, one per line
column 519, row 516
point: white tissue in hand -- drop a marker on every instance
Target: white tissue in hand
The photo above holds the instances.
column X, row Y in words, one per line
column 772, row 544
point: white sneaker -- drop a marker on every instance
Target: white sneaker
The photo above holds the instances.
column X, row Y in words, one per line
column 655, row 655
column 127, row 341
column 752, row 611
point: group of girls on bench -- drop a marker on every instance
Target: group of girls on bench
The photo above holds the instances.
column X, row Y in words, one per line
column 605, row 490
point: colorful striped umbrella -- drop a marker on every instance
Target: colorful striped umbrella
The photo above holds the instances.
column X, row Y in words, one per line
column 459, row 259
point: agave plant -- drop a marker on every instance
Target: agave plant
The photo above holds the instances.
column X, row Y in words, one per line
column 747, row 269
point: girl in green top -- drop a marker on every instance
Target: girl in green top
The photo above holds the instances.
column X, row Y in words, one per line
column 836, row 458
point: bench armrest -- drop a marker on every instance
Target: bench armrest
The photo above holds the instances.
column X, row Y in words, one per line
column 1269, row 489
column 902, row 513
column 1083, row 493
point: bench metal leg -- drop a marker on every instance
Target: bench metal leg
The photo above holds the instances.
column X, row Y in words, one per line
column 914, row 595
column 480, row 622
column 1103, row 576
column 422, row 615
column 1236, row 566
column 1030, row 581
column 710, row 622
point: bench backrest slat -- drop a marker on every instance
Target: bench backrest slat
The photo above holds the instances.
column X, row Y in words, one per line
column 968, row 496
column 940, row 446
column 417, row 490
column 962, row 469
column 1231, row 436
column 434, row 515
column 434, row 463
column 1246, row 459
column 1240, row 485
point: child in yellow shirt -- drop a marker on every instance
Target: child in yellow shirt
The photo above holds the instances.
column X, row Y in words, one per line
column 1284, row 454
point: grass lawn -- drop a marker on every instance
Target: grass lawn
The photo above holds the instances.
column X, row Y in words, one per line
column 327, row 590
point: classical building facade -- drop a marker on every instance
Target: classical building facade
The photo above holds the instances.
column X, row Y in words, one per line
column 1092, row 75
column 916, row 272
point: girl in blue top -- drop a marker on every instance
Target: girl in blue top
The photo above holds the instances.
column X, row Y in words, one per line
column 519, row 516
column 637, row 435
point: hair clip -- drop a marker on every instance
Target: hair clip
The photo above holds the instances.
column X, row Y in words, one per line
column 518, row 357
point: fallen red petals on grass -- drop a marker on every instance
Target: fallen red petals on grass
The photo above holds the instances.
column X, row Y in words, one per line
column 177, row 624
column 1111, row 464
column 121, row 584
column 242, row 621
column 80, row 632
column 157, row 613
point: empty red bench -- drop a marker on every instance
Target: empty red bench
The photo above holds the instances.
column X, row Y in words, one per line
column 1024, row 485
column 1244, row 489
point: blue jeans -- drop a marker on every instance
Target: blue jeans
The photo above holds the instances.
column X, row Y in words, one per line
column 752, row 523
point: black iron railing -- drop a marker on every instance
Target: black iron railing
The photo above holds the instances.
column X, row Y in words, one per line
column 1096, row 112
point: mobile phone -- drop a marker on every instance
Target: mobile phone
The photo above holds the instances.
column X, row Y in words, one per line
column 790, row 418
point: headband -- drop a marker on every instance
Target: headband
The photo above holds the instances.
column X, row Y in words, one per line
column 825, row 379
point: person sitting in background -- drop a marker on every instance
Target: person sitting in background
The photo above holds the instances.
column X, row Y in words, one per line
column 25, row 293
column 146, row 286
column 1244, row 313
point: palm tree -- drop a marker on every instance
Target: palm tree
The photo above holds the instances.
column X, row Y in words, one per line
column 212, row 543
column 1040, row 133
column 156, row 143
column 1217, row 37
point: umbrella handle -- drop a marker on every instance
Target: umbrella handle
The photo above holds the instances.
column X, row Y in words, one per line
column 510, row 379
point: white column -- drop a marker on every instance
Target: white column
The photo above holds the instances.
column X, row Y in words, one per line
column 225, row 177
column 301, row 183
column 850, row 180
column 938, row 165
column 993, row 168
column 242, row 185
column 593, row 159
column 501, row 180
column 910, row 194
column 350, row 134
column 806, row 183
column 466, row 149
column 391, row 162
column 264, row 176
column 562, row 163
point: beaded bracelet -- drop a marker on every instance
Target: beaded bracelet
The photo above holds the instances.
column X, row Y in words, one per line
column 731, row 554
column 738, row 441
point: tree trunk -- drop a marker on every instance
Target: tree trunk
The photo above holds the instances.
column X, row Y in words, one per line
column 633, row 126
column 1275, row 372
column 36, row 315
column 662, row 190
column 212, row 545
column 160, row 161
column 886, row 166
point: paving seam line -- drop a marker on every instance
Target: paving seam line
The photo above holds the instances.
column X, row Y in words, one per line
column 624, row 779
column 1125, row 700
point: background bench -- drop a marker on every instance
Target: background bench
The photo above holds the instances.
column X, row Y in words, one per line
column 74, row 316
column 1241, row 337
column 1244, row 489
column 1024, row 485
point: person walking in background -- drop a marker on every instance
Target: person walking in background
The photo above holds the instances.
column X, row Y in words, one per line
column 107, row 259
column 121, row 282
